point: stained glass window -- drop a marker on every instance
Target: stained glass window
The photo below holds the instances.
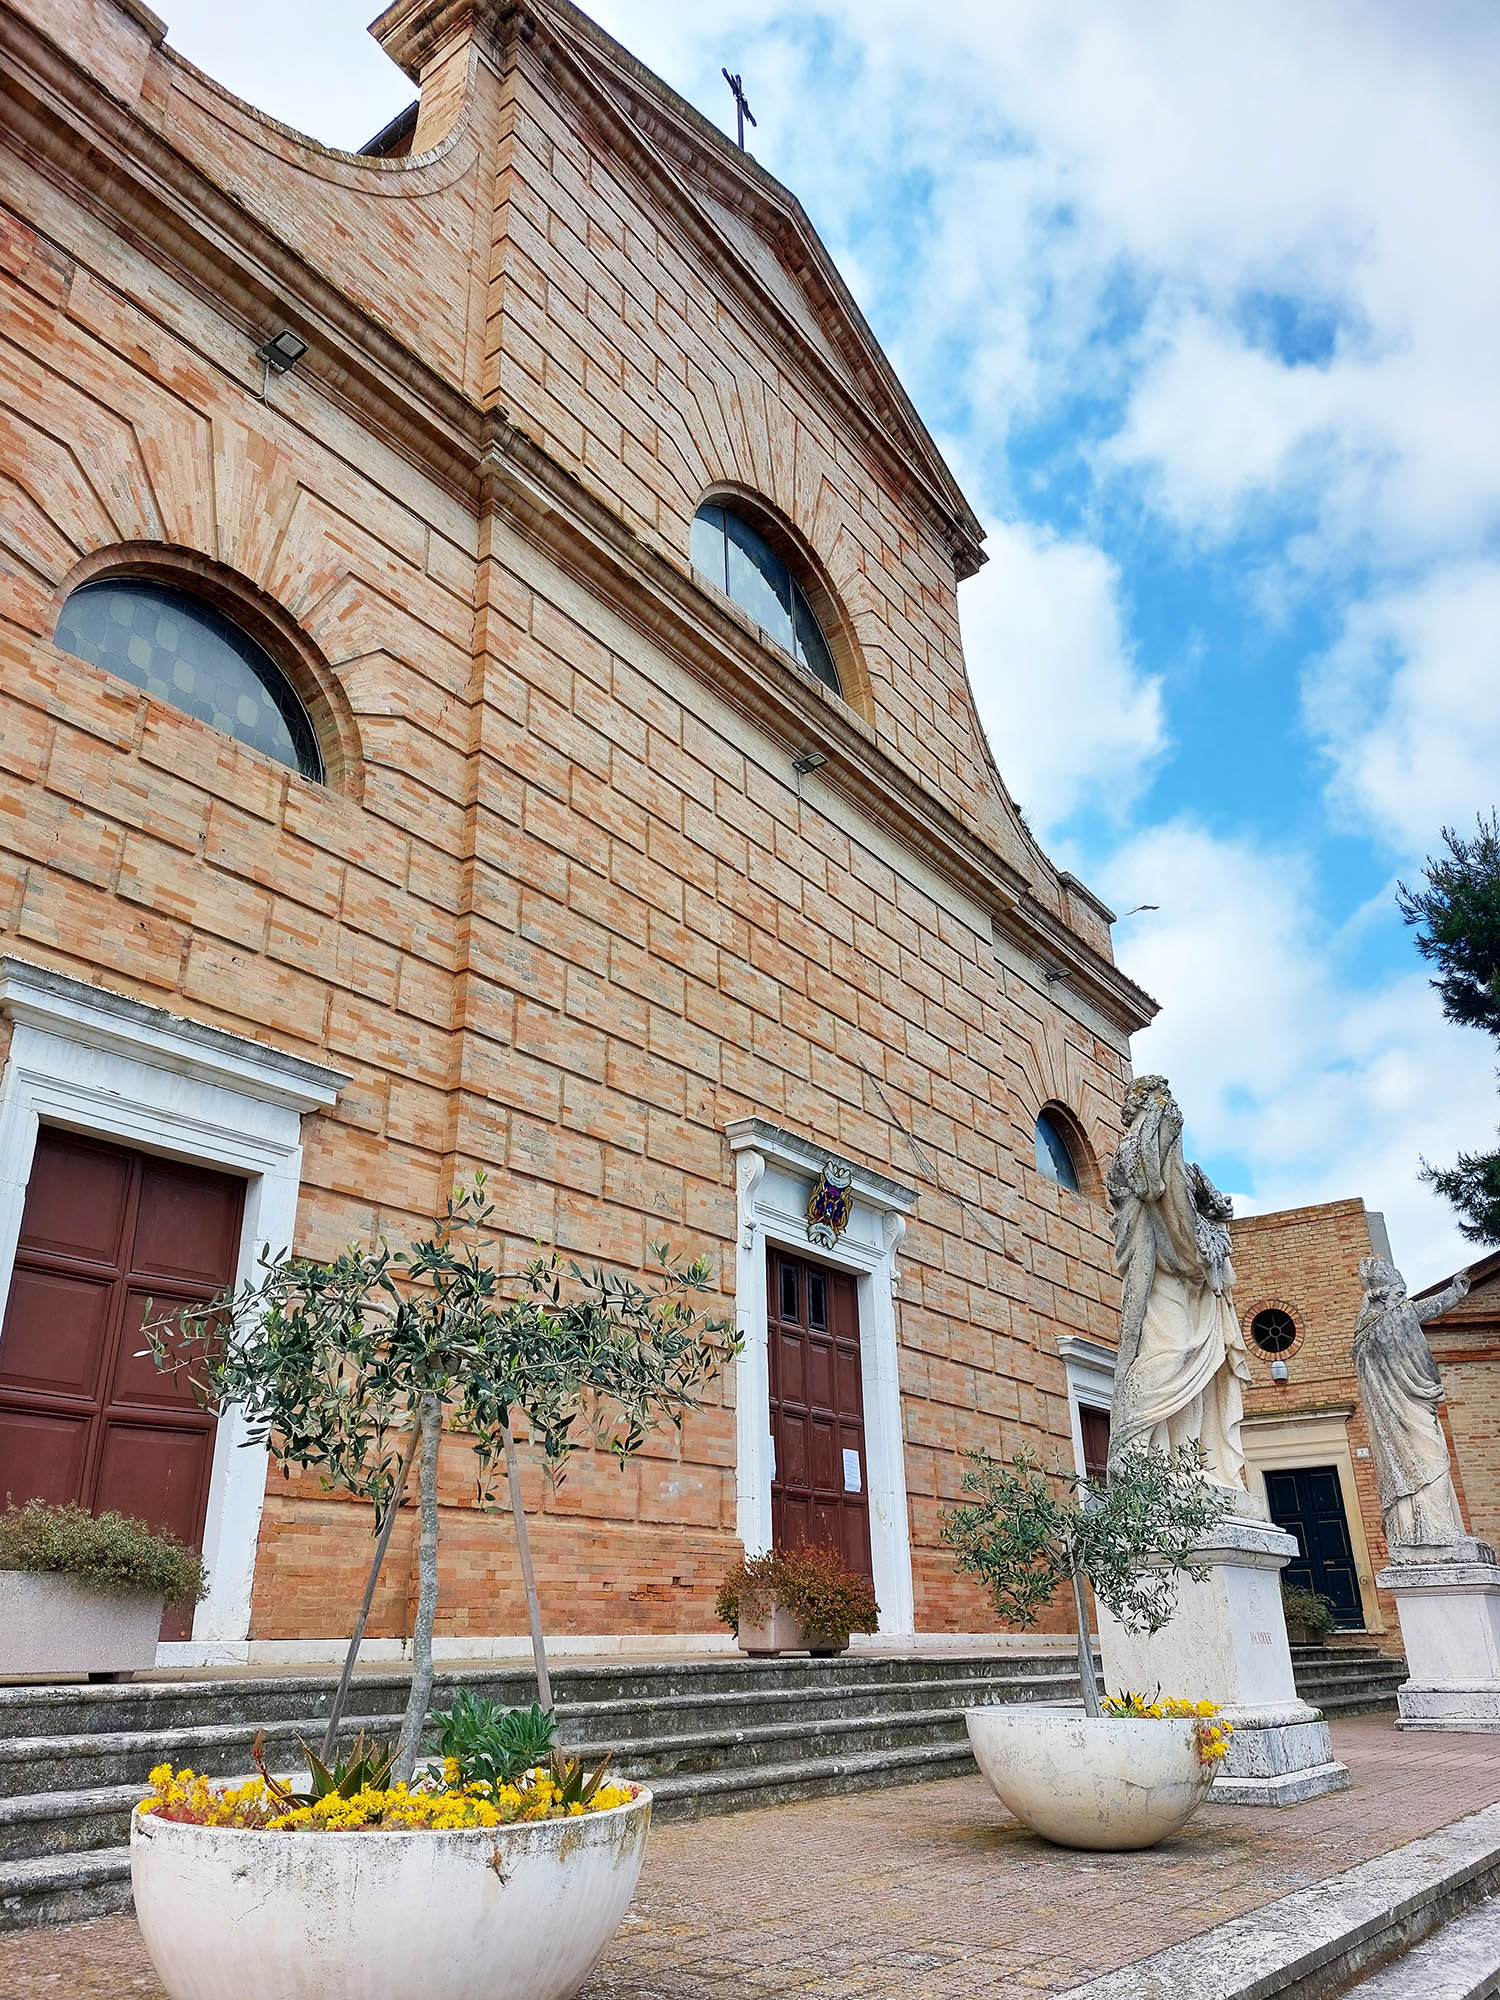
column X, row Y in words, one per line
column 746, row 568
column 184, row 651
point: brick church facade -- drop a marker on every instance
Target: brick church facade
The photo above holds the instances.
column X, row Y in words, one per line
column 528, row 731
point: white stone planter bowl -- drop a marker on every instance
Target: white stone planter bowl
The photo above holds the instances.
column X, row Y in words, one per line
column 1107, row 1782
column 56, row 1625
column 489, row 1913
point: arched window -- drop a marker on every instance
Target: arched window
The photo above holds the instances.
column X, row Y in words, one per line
column 183, row 650
column 745, row 567
column 1054, row 1156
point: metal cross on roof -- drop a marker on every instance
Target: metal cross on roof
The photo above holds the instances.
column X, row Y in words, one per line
column 741, row 104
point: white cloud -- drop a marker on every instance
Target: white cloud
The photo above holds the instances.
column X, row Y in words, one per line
column 1069, row 715
column 1286, row 1070
column 1405, row 708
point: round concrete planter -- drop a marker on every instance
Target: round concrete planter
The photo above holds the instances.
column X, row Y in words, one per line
column 777, row 1631
column 498, row 1913
column 1081, row 1781
column 55, row 1625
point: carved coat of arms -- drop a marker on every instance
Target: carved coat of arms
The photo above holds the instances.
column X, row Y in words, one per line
column 830, row 1204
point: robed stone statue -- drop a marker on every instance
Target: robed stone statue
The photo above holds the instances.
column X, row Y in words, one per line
column 1182, row 1360
column 1400, row 1388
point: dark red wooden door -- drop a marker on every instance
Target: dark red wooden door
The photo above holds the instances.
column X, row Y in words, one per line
column 819, row 1493
column 81, row 1416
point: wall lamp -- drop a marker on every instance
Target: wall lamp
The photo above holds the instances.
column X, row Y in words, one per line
column 810, row 760
column 1279, row 1370
column 282, row 351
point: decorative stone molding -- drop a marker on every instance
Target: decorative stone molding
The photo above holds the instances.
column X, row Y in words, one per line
column 93, row 1061
column 775, row 1172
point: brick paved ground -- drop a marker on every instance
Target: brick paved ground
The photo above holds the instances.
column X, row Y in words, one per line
column 929, row 1892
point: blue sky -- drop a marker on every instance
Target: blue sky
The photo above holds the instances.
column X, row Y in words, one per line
column 1202, row 304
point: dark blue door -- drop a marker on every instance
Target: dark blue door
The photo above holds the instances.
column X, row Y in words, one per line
column 1309, row 1504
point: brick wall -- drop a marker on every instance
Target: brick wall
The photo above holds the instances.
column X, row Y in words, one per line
column 564, row 909
column 1465, row 1343
column 1306, row 1261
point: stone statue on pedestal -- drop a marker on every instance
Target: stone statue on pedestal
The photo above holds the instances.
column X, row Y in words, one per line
column 1179, row 1379
column 1446, row 1583
column 1182, row 1358
column 1400, row 1388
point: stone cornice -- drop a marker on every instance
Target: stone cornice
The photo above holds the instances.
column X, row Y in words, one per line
column 595, row 548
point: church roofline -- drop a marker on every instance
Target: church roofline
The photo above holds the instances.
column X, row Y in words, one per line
column 691, row 145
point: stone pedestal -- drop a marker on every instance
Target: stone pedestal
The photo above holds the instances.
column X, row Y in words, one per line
column 1448, row 1601
column 1227, row 1643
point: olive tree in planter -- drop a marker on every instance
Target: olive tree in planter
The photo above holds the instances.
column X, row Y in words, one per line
column 349, row 1367
column 1136, row 1766
column 83, row 1593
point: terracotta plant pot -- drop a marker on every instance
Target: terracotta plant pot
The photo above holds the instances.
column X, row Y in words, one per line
column 520, row 1912
column 57, row 1625
column 1104, row 1782
column 777, row 1631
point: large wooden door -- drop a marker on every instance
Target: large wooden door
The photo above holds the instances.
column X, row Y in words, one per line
column 1309, row 1503
column 819, row 1493
column 82, row 1416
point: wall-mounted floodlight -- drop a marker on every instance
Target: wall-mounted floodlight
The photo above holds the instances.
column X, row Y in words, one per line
column 282, row 351
column 1279, row 1370
column 810, row 760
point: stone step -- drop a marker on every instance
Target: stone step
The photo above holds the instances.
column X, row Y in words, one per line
column 64, row 1888
column 1400, row 1924
column 810, row 1777
column 91, row 1710
column 97, row 1816
column 30, row 1764
column 1459, row 1962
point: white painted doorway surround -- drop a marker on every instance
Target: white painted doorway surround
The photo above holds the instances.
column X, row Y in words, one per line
column 88, row 1060
column 774, row 1174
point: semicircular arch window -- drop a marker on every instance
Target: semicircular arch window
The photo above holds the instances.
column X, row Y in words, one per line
column 747, row 569
column 1054, row 1156
column 185, row 651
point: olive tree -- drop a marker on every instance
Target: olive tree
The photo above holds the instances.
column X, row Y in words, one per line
column 350, row 1367
column 1133, row 1537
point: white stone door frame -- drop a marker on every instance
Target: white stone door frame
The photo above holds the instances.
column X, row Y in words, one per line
column 1316, row 1437
column 774, row 1173
column 91, row 1061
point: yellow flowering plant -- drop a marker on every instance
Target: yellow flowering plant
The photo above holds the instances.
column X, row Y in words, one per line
column 1213, row 1731
column 437, row 1802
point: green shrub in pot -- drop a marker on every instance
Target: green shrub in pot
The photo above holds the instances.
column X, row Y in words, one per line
column 104, row 1552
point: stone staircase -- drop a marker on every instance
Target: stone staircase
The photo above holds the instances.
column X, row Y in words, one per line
column 1347, row 1677
column 709, row 1736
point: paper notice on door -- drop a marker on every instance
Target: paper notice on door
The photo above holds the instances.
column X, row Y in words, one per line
column 851, row 1471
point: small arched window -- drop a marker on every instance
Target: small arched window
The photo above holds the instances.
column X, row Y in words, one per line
column 746, row 568
column 185, row 651
column 1054, row 1156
